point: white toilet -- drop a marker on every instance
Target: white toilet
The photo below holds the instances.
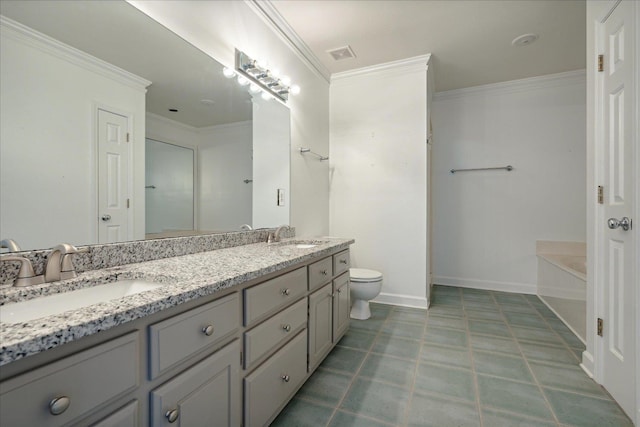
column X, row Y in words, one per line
column 365, row 286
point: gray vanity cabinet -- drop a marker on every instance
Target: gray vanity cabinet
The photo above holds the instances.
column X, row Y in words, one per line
column 207, row 394
column 61, row 392
column 341, row 306
column 126, row 416
column 320, row 324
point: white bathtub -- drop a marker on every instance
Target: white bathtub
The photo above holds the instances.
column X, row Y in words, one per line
column 562, row 285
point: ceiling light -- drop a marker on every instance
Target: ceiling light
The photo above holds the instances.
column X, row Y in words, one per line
column 524, row 40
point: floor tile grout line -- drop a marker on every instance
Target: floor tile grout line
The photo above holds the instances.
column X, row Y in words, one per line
column 357, row 372
column 407, row 411
column 472, row 362
column 533, row 375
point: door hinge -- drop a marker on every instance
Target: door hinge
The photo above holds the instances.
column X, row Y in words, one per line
column 127, row 136
column 600, row 62
column 128, row 203
column 599, row 327
column 600, row 194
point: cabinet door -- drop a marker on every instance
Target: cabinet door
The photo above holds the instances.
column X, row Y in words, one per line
column 341, row 306
column 320, row 320
column 207, row 394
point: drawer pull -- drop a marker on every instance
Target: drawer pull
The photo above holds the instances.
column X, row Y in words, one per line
column 323, row 272
column 339, row 290
column 58, row 405
column 172, row 415
column 208, row 330
column 286, row 292
column 343, row 261
column 286, row 327
column 285, row 378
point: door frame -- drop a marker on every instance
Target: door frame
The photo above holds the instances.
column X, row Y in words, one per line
column 94, row 209
column 592, row 358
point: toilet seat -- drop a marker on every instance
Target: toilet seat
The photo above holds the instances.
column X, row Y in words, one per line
column 364, row 275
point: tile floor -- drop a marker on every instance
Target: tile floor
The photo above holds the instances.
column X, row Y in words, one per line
column 476, row 358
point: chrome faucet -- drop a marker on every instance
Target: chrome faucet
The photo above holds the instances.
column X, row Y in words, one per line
column 275, row 236
column 26, row 276
column 59, row 265
column 10, row 244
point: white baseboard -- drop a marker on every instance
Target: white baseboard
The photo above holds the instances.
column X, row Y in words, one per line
column 488, row 285
column 402, row 300
column 587, row 364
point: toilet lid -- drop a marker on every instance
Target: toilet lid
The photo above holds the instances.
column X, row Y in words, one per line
column 364, row 275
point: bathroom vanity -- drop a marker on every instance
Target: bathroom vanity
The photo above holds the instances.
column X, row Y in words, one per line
column 227, row 340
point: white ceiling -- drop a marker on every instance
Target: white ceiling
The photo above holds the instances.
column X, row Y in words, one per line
column 470, row 40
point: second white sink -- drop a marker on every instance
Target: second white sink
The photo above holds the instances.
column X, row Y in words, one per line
column 55, row 304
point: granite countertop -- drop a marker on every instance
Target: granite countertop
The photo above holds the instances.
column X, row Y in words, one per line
column 184, row 278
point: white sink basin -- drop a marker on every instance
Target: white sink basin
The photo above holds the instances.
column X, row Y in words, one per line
column 305, row 246
column 55, row 304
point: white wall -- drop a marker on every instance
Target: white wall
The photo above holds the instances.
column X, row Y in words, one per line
column 220, row 26
column 378, row 174
column 486, row 223
column 270, row 151
column 48, row 164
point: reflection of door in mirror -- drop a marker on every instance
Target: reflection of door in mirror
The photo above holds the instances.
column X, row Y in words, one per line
column 169, row 189
column 113, row 177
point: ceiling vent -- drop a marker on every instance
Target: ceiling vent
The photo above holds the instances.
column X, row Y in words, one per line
column 341, row 53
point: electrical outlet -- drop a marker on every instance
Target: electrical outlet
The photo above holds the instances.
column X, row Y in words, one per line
column 280, row 196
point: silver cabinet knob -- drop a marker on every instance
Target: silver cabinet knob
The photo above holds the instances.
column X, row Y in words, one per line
column 339, row 290
column 286, row 292
column 286, row 327
column 172, row 415
column 624, row 223
column 323, row 272
column 208, row 330
column 58, row 405
column 285, row 378
column 343, row 261
column 106, row 217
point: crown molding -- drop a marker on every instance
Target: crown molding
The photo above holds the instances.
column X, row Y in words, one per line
column 531, row 83
column 421, row 62
column 44, row 43
column 234, row 125
column 270, row 15
column 170, row 122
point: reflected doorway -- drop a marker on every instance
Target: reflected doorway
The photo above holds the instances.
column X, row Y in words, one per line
column 169, row 188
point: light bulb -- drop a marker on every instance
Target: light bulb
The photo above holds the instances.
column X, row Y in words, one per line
column 286, row 80
column 243, row 81
column 266, row 96
column 275, row 73
column 254, row 88
column 228, row 72
column 294, row 90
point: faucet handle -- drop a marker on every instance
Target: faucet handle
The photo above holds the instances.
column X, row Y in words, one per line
column 26, row 275
column 67, row 270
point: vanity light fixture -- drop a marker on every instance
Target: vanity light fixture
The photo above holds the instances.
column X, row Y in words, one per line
column 265, row 79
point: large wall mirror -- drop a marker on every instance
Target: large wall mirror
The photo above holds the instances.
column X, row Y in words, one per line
column 114, row 128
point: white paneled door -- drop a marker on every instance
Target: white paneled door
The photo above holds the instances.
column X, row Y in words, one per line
column 113, row 177
column 618, row 309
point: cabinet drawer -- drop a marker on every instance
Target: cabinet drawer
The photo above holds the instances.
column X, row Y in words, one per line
column 207, row 394
column 320, row 273
column 84, row 381
column 273, row 332
column 341, row 262
column 274, row 382
column 273, row 294
column 126, row 416
column 181, row 336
